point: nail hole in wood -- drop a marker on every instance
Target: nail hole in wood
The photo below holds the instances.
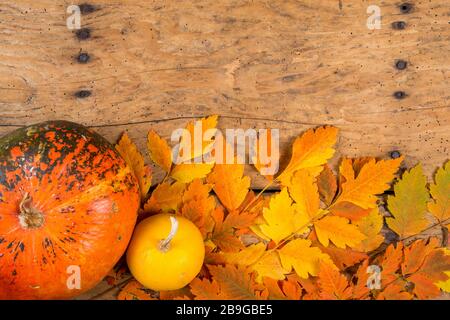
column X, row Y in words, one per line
column 399, row 95
column 395, row 154
column 406, row 7
column 401, row 64
column 83, row 57
column 86, row 8
column 399, row 25
column 83, row 33
column 83, row 94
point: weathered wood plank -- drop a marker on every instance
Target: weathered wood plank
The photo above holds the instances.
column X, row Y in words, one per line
column 280, row 64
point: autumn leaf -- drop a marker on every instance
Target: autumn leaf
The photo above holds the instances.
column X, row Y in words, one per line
column 246, row 256
column 333, row 285
column 195, row 141
column 133, row 157
column 187, row 172
column 339, row 231
column 395, row 291
column 310, row 150
column 390, row 263
column 373, row 179
column 361, row 277
column 343, row 258
column 159, row 150
column 281, row 218
column 409, row 205
column 425, row 264
column 304, row 259
column 269, row 266
column 235, row 283
column 283, row 290
column 327, row 185
column 440, row 192
column 198, row 206
column 204, row 289
column 230, row 184
column 166, row 197
column 349, row 210
column 370, row 226
column 303, row 189
column 224, row 233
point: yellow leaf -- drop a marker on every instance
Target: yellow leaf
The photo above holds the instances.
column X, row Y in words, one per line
column 370, row 226
column 230, row 184
column 159, row 150
column 247, row 256
column 281, row 218
column 445, row 285
column 303, row 189
column 373, row 179
column 304, row 259
column 135, row 160
column 269, row 265
column 440, row 191
column 339, row 231
column 409, row 205
column 310, row 150
column 166, row 197
column 187, row 172
column 197, row 145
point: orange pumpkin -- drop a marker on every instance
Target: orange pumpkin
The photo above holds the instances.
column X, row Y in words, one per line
column 68, row 206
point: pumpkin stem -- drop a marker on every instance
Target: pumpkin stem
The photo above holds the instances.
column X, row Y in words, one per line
column 164, row 245
column 29, row 217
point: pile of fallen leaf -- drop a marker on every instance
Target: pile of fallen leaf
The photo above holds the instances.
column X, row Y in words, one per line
column 323, row 236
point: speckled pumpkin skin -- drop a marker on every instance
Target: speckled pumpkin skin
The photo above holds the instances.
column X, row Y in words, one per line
column 89, row 200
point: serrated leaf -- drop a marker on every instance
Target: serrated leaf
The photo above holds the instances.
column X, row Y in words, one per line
column 134, row 158
column 394, row 291
column 303, row 189
column 224, row 233
column 304, row 259
column 269, row 266
column 312, row 149
column 409, row 205
column 333, row 285
column 339, row 231
column 166, row 198
column 281, row 218
column 283, row 290
column 204, row 289
column 440, row 192
column 370, row 226
column 198, row 206
column 373, row 179
column 235, row 283
column 229, row 184
column 159, row 150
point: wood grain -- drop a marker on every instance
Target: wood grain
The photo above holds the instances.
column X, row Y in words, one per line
column 285, row 64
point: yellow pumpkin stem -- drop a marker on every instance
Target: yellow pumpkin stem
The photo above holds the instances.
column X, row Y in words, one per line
column 164, row 245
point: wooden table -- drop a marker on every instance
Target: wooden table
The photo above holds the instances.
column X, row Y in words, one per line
column 281, row 64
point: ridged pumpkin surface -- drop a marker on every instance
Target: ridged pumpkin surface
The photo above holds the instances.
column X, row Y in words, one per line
column 67, row 201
